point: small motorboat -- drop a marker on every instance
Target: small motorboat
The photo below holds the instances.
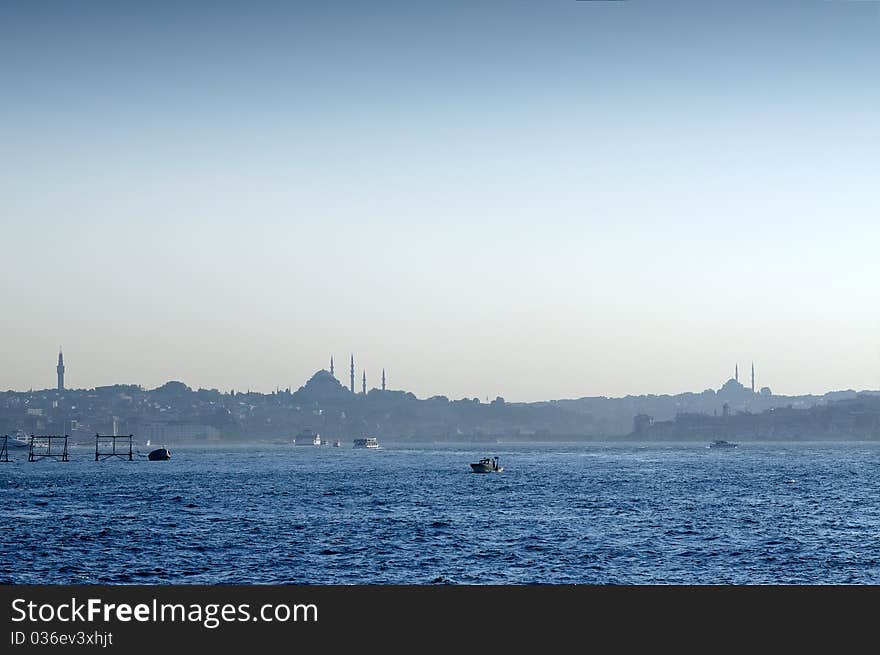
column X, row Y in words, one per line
column 160, row 454
column 487, row 465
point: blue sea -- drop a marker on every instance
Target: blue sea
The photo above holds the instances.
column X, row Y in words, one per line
column 590, row 513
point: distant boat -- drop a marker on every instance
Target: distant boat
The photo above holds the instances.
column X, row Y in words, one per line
column 367, row 442
column 18, row 439
column 487, row 465
column 721, row 443
column 337, row 443
column 307, row 437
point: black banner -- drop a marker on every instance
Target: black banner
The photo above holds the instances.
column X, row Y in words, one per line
column 126, row 619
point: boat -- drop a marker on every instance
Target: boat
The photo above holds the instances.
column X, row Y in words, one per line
column 366, row 442
column 307, row 437
column 487, row 465
column 18, row 439
column 337, row 443
column 721, row 443
column 160, row 454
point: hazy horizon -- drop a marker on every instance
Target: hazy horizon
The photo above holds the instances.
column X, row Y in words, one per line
column 344, row 380
column 529, row 200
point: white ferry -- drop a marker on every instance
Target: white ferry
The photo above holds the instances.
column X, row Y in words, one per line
column 366, row 442
column 18, row 439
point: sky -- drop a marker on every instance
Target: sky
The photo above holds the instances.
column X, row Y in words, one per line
column 533, row 200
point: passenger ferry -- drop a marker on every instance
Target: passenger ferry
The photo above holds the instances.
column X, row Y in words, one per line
column 366, row 442
column 18, row 439
column 721, row 443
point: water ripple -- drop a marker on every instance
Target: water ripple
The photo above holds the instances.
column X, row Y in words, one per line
column 559, row 514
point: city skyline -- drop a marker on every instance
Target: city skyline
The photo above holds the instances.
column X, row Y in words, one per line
column 528, row 200
column 752, row 386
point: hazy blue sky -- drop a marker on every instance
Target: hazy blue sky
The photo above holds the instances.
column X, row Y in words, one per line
column 529, row 199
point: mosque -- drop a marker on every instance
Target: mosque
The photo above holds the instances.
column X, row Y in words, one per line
column 733, row 389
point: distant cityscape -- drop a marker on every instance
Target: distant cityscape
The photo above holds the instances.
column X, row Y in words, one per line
column 175, row 413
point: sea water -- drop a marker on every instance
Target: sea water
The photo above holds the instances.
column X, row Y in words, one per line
column 590, row 513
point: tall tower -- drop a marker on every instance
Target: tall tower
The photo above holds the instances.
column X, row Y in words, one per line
column 60, row 370
column 364, row 387
column 352, row 373
column 383, row 379
column 736, row 373
column 331, row 364
column 753, row 377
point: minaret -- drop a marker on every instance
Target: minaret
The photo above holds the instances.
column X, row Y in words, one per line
column 736, row 373
column 352, row 373
column 383, row 379
column 753, row 377
column 364, row 387
column 60, row 370
column 331, row 364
